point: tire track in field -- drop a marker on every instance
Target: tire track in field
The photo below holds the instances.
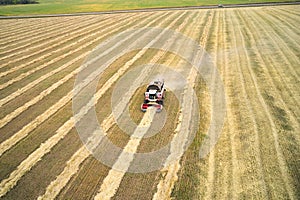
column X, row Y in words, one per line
column 215, row 27
column 44, row 93
column 286, row 53
column 46, row 147
column 35, row 82
column 166, row 184
column 211, row 158
column 288, row 15
column 61, row 40
column 281, row 18
column 282, row 164
column 258, row 182
column 290, row 11
column 282, row 80
column 230, row 116
column 8, row 42
column 39, row 120
column 43, row 39
column 220, row 60
column 290, row 35
column 294, row 10
column 218, row 178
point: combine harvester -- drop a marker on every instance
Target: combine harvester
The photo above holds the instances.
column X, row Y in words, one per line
column 154, row 96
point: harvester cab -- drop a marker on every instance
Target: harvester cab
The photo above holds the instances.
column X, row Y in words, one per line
column 154, row 96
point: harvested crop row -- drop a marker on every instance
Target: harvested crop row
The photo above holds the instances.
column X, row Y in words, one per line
column 120, row 26
column 37, row 120
column 133, row 193
column 40, row 119
column 7, row 144
column 38, row 33
column 28, row 40
column 37, row 23
column 255, row 49
column 21, row 30
column 113, row 179
column 5, row 120
column 32, row 84
column 60, row 50
column 48, row 46
column 32, row 26
column 245, row 135
column 8, row 27
column 34, row 42
column 16, row 112
column 61, row 57
column 182, row 182
column 290, row 29
column 108, row 85
column 27, row 164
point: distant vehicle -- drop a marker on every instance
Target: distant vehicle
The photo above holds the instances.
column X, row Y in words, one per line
column 220, row 6
column 154, row 96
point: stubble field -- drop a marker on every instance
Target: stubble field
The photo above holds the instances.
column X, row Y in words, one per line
column 256, row 51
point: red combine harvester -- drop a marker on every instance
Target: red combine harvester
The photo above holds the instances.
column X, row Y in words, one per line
column 154, row 96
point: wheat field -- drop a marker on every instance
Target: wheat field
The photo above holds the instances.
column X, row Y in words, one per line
column 256, row 51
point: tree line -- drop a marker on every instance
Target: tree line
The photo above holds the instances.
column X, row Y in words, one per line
column 12, row 2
